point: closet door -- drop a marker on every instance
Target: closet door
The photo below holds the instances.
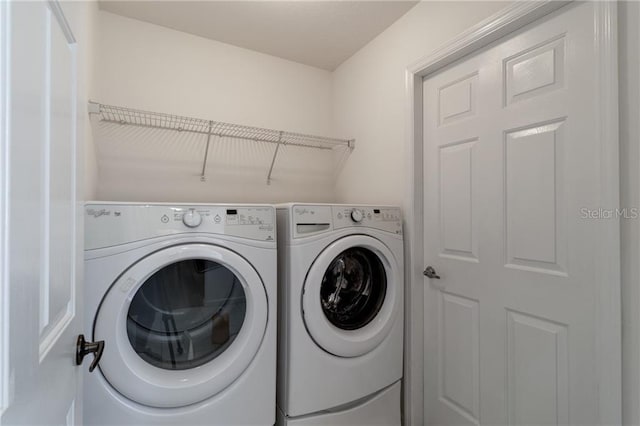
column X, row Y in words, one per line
column 40, row 257
column 514, row 166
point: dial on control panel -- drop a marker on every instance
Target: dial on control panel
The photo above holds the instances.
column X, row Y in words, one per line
column 357, row 215
column 192, row 218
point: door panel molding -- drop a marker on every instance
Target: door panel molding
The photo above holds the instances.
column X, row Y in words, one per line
column 60, row 101
column 495, row 27
column 539, row 146
column 463, row 392
column 4, row 166
column 552, row 388
column 56, row 10
column 458, row 239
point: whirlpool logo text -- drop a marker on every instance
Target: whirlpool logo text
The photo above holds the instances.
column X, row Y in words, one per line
column 97, row 213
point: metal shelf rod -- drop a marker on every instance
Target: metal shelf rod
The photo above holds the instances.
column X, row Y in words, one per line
column 273, row 160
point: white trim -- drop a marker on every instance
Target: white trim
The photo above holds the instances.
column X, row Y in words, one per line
column 608, row 296
column 56, row 10
column 76, row 252
column 45, row 219
column 495, row 27
column 505, row 21
column 5, row 110
column 413, row 386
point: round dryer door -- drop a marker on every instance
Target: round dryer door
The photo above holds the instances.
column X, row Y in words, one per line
column 181, row 325
column 351, row 295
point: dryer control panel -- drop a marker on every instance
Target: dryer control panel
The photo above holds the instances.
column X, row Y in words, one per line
column 112, row 224
column 311, row 219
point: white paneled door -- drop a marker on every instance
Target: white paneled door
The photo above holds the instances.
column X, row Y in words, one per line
column 40, row 252
column 512, row 169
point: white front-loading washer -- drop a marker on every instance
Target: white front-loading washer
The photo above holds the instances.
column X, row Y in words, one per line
column 184, row 297
column 340, row 314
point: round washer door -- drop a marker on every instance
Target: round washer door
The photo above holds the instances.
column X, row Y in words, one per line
column 181, row 324
column 351, row 295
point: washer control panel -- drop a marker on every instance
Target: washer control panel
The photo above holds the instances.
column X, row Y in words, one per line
column 112, row 224
column 310, row 219
column 383, row 218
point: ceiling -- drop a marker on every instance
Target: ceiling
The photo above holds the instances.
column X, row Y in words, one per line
column 322, row 34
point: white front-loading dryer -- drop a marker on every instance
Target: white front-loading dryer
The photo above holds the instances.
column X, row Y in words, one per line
column 341, row 290
column 184, row 297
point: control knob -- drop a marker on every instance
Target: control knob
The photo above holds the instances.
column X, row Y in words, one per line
column 357, row 215
column 192, row 218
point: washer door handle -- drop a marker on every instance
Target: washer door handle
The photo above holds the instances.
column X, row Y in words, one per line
column 84, row 348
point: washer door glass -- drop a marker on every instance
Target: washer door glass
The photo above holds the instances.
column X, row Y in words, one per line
column 352, row 295
column 353, row 288
column 186, row 314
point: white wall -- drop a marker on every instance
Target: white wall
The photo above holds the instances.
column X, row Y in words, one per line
column 369, row 100
column 629, row 65
column 149, row 67
column 145, row 66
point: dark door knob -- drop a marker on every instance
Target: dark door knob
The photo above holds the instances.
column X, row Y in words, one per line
column 431, row 273
column 84, row 348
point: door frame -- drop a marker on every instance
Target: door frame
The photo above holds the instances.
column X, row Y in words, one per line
column 497, row 26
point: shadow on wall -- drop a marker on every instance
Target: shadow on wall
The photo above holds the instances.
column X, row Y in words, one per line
column 146, row 164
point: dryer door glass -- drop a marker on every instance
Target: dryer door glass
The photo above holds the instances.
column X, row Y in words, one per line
column 186, row 314
column 353, row 288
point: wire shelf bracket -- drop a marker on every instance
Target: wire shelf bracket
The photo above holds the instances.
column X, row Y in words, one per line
column 209, row 128
column 203, row 176
column 273, row 160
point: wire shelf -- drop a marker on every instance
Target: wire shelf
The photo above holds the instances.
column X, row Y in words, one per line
column 157, row 120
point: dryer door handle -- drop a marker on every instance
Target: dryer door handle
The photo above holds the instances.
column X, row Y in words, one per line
column 84, row 348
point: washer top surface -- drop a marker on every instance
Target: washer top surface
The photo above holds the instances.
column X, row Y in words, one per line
column 109, row 224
